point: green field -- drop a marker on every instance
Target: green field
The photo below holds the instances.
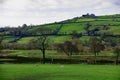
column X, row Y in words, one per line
column 56, row 39
column 25, row 40
column 69, row 28
column 58, row 72
column 53, row 53
column 9, row 38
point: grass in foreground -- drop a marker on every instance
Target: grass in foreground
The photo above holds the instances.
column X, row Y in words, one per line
column 58, row 72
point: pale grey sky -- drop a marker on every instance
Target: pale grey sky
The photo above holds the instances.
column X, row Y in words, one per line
column 18, row 12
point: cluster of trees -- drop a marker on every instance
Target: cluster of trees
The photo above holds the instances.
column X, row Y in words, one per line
column 89, row 15
column 96, row 30
column 71, row 47
column 17, row 31
column 95, row 46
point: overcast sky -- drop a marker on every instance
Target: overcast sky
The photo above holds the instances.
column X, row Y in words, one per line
column 18, row 12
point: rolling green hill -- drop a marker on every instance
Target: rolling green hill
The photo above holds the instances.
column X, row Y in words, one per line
column 75, row 24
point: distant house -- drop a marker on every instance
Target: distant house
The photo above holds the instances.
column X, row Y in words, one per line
column 89, row 15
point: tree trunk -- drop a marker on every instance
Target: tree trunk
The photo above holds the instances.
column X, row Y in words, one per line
column 117, row 59
column 95, row 58
column 43, row 56
column 70, row 57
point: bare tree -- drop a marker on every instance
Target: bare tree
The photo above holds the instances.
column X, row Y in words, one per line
column 78, row 43
column 1, row 40
column 117, row 52
column 95, row 46
column 32, row 44
column 42, row 41
column 68, row 48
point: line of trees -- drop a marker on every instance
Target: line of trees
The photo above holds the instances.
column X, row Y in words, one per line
column 74, row 46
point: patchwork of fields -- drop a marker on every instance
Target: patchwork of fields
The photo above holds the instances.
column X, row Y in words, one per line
column 78, row 25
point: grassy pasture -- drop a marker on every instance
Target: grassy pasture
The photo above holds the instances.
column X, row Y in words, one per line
column 9, row 38
column 55, row 54
column 69, row 28
column 25, row 40
column 59, row 39
column 58, row 72
column 56, row 39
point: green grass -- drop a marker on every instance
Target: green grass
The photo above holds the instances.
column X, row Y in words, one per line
column 84, row 38
column 69, row 28
column 104, row 22
column 25, row 40
column 53, row 26
column 115, row 29
column 56, row 55
column 37, row 28
column 58, row 72
column 9, row 38
column 56, row 39
column 34, row 53
column 85, row 19
column 37, row 53
column 59, row 39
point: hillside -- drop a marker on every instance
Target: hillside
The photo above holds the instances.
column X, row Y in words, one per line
column 108, row 24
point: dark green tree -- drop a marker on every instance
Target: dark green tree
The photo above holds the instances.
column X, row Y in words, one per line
column 87, row 27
